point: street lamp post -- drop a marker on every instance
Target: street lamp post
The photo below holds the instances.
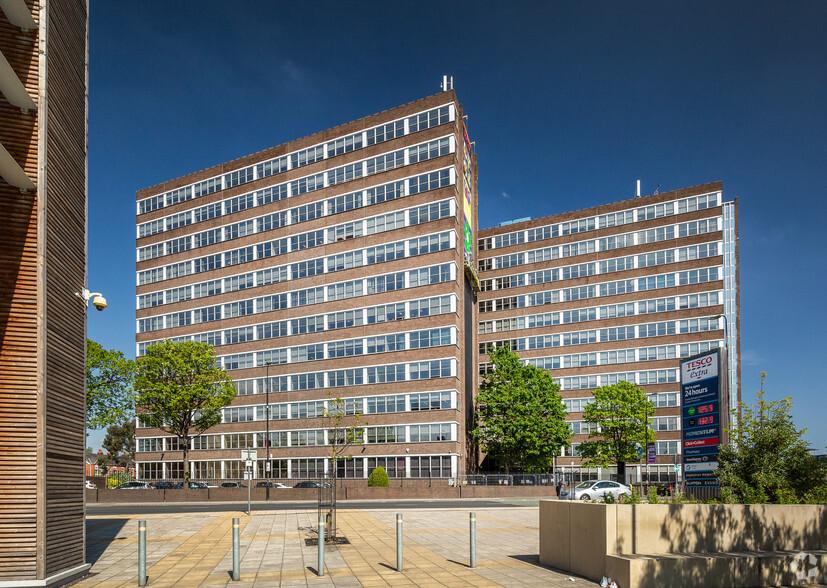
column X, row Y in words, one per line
column 646, row 451
column 267, row 465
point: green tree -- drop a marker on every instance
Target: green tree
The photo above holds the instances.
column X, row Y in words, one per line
column 768, row 459
column 343, row 421
column 379, row 478
column 619, row 424
column 119, row 443
column 109, row 377
column 180, row 389
column 520, row 418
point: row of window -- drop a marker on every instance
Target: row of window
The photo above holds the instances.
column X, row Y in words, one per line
column 412, row 402
column 293, row 216
column 621, row 333
column 416, row 433
column 670, row 232
column 380, row 374
column 661, row 447
column 293, row 271
column 372, row 136
column 368, row 167
column 327, row 322
column 386, row 343
column 669, row 280
column 608, row 311
column 361, row 287
column 607, row 266
column 601, row 222
column 409, row 466
column 615, row 356
column 665, row 376
column 660, row 400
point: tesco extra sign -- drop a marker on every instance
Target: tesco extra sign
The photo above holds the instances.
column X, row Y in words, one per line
column 699, row 368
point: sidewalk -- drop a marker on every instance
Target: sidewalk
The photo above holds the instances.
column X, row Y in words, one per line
column 188, row 550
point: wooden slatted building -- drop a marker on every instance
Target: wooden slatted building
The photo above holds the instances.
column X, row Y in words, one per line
column 43, row 112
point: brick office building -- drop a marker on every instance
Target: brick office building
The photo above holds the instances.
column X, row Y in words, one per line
column 338, row 259
column 347, row 261
column 616, row 292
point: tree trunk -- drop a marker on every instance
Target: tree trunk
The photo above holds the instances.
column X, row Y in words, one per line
column 185, row 446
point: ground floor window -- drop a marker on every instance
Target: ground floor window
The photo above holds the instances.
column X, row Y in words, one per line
column 395, row 466
column 421, row 466
column 431, row 466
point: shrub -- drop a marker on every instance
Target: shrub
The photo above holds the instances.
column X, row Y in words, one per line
column 379, row 478
column 652, row 495
column 633, row 498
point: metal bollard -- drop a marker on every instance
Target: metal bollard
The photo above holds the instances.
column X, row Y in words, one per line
column 399, row 542
column 321, row 546
column 141, row 553
column 236, row 555
column 473, row 520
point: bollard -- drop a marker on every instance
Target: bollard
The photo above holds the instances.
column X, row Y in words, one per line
column 321, row 546
column 141, row 553
column 473, row 520
column 236, row 562
column 399, row 542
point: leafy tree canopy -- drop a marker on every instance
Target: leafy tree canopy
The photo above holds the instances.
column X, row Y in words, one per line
column 181, row 390
column 119, row 443
column 520, row 414
column 109, row 377
column 619, row 423
column 768, row 460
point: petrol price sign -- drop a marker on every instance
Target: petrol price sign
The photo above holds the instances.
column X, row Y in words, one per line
column 701, row 414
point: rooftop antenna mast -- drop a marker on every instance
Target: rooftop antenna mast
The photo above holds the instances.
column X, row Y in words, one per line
column 447, row 83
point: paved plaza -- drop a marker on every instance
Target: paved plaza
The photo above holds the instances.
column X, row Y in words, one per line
column 185, row 550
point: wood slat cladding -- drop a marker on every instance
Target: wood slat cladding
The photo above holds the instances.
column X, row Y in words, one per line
column 19, row 321
column 65, row 268
column 42, row 322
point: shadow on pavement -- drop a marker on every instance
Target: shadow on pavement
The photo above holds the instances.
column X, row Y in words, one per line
column 100, row 533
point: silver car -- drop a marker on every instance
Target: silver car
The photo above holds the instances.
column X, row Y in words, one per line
column 595, row 490
column 134, row 485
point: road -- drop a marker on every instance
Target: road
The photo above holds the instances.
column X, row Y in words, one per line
column 196, row 507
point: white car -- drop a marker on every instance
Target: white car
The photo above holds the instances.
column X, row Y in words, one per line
column 90, row 486
column 592, row 490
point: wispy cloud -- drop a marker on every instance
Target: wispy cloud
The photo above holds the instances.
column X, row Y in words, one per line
column 751, row 358
column 506, row 195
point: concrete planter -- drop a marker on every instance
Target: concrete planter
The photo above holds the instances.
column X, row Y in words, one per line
column 709, row 545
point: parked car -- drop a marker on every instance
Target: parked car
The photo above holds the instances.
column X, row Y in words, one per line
column 595, row 490
column 268, row 484
column 312, row 484
column 89, row 485
column 666, row 489
column 194, row 485
column 163, row 485
column 233, row 485
column 134, row 485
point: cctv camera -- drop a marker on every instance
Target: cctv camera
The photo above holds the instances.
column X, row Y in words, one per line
column 99, row 302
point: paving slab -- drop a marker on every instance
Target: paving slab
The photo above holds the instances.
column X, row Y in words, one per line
column 187, row 550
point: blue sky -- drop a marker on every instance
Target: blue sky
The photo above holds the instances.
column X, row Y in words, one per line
column 568, row 102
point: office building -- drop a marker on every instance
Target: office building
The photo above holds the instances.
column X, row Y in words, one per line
column 42, row 267
column 333, row 265
column 348, row 263
column 616, row 292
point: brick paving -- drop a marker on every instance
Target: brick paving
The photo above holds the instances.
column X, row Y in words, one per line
column 188, row 550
